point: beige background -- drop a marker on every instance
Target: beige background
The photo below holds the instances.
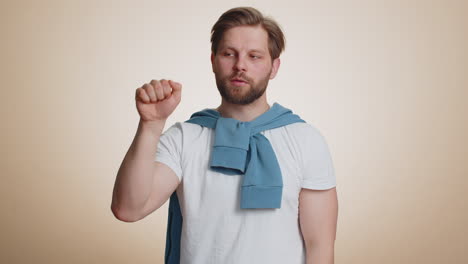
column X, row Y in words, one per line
column 384, row 81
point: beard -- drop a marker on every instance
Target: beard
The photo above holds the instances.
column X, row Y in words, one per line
column 235, row 94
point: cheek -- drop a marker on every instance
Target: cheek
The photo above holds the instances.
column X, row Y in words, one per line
column 227, row 63
column 217, row 65
column 262, row 70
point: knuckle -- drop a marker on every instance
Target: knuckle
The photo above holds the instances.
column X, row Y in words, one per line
column 157, row 88
column 147, row 86
column 155, row 83
column 160, row 94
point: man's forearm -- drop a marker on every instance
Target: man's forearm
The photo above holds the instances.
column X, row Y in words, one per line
column 320, row 254
column 134, row 178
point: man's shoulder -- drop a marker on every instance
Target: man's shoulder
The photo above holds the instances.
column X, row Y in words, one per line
column 300, row 135
column 183, row 126
column 186, row 131
column 301, row 129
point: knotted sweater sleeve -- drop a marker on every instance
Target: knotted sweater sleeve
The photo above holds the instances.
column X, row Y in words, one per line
column 169, row 150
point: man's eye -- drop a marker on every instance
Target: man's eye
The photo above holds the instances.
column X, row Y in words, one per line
column 228, row 54
column 255, row 57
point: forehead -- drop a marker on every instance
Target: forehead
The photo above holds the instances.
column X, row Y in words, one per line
column 245, row 38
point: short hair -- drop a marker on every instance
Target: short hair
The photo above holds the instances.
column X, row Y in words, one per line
column 248, row 16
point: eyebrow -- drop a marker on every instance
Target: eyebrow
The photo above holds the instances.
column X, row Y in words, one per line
column 252, row 50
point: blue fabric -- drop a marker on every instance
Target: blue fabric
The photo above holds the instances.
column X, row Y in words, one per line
column 174, row 229
column 239, row 148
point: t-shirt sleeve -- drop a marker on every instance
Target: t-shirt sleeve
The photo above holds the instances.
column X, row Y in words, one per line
column 169, row 150
column 316, row 163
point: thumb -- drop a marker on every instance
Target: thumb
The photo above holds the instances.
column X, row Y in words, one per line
column 176, row 87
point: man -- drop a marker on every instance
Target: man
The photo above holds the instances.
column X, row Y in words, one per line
column 252, row 182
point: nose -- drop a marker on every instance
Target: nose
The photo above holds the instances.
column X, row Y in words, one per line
column 240, row 64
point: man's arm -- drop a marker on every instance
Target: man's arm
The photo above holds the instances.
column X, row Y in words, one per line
column 142, row 185
column 318, row 214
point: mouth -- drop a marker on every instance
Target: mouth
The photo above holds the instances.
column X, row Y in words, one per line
column 239, row 82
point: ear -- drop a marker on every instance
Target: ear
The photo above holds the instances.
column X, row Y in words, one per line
column 275, row 66
column 212, row 61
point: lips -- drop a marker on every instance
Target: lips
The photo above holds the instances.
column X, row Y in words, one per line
column 238, row 80
column 239, row 83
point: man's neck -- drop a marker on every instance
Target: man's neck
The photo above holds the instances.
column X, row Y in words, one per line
column 244, row 113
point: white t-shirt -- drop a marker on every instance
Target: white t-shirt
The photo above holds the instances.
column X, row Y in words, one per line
column 215, row 230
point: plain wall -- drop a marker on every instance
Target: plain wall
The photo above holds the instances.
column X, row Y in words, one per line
column 384, row 81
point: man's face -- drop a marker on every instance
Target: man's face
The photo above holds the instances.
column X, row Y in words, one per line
column 242, row 65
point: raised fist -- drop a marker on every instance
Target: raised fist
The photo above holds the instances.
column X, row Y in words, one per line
column 156, row 100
